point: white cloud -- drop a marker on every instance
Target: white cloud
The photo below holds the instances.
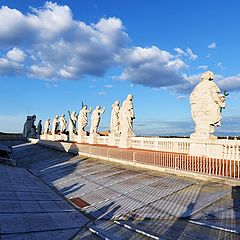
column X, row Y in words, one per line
column 230, row 84
column 8, row 67
column 191, row 55
column 101, row 93
column 212, row 45
column 108, row 86
column 203, row 67
column 58, row 46
column 151, row 67
column 180, row 51
column 16, row 55
column 220, row 65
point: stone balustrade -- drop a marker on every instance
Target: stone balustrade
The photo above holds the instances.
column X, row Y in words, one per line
column 220, row 148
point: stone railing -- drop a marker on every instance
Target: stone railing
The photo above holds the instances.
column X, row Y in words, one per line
column 157, row 160
column 221, row 148
column 180, row 145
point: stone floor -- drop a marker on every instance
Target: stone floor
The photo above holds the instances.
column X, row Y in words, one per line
column 117, row 202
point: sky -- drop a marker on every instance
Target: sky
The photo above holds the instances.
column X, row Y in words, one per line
column 56, row 55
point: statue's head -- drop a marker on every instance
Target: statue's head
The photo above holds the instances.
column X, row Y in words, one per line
column 63, row 115
column 34, row 117
column 98, row 107
column 57, row 117
column 116, row 103
column 130, row 97
column 84, row 107
column 207, row 76
column 48, row 119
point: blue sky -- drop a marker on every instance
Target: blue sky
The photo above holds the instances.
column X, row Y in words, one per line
column 54, row 55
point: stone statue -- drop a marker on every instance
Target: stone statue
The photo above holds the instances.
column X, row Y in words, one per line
column 63, row 124
column 30, row 129
column 47, row 126
column 115, row 122
column 206, row 105
column 72, row 122
column 95, row 119
column 83, row 120
column 126, row 116
column 55, row 125
column 39, row 128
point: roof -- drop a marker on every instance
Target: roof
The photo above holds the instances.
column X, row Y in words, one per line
column 5, row 148
column 118, row 201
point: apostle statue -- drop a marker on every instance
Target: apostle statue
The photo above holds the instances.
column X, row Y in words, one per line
column 126, row 116
column 63, row 124
column 83, row 120
column 206, row 105
column 39, row 128
column 47, row 126
column 55, row 125
column 30, row 129
column 72, row 122
column 115, row 122
column 95, row 119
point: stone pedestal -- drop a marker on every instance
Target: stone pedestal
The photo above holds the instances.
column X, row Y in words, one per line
column 93, row 138
column 207, row 148
column 125, row 142
column 73, row 137
column 112, row 139
column 64, row 137
column 81, row 137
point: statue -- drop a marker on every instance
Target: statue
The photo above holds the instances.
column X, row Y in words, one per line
column 39, row 128
column 63, row 124
column 95, row 119
column 115, row 123
column 206, row 105
column 83, row 120
column 47, row 126
column 55, row 125
column 30, row 129
column 126, row 116
column 72, row 122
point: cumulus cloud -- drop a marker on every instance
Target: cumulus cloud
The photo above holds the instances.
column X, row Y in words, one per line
column 180, row 51
column 203, row 67
column 220, row 65
column 212, row 45
column 191, row 55
column 56, row 45
column 188, row 53
column 151, row 67
column 48, row 43
column 16, row 55
column 230, row 84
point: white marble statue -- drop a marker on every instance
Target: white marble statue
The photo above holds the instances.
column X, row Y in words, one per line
column 72, row 122
column 206, row 105
column 63, row 124
column 115, row 122
column 47, row 126
column 83, row 120
column 30, row 129
column 95, row 119
column 127, row 116
column 55, row 125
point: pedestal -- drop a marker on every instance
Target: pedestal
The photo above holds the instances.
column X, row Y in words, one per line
column 93, row 138
column 125, row 142
column 81, row 137
column 207, row 148
column 113, row 139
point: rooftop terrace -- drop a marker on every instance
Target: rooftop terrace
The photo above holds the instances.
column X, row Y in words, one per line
column 112, row 201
